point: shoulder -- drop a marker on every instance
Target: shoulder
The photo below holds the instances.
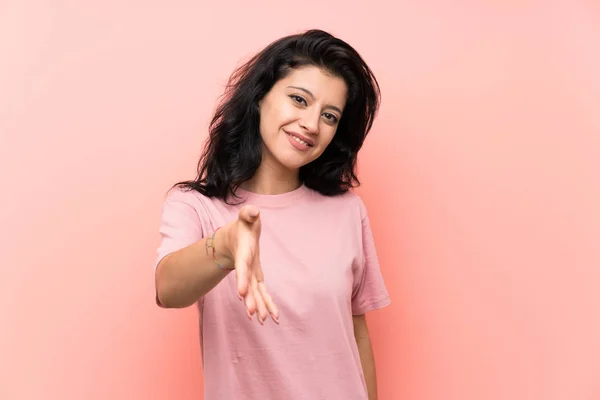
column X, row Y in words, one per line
column 190, row 201
column 177, row 193
column 186, row 207
column 191, row 197
column 349, row 202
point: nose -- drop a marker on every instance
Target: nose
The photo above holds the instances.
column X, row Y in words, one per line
column 310, row 122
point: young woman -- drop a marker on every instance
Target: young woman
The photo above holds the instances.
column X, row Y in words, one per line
column 270, row 241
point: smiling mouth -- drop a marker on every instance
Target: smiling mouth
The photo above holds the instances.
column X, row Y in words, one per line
column 300, row 139
column 297, row 139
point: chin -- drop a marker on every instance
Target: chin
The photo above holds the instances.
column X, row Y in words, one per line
column 292, row 165
column 293, row 162
column 290, row 158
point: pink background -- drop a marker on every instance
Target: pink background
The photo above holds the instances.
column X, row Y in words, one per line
column 481, row 176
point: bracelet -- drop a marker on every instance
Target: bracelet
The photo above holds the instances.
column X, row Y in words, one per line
column 210, row 242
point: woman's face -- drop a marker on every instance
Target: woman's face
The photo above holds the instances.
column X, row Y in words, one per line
column 299, row 117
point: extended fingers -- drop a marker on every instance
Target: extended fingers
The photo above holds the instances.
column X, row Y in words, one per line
column 264, row 293
column 249, row 213
column 243, row 272
column 268, row 300
column 260, row 303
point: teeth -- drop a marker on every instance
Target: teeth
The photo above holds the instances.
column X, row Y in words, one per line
column 300, row 141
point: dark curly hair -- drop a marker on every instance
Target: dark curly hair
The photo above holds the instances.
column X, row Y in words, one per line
column 233, row 151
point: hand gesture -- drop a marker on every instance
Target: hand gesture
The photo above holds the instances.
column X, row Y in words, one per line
column 244, row 235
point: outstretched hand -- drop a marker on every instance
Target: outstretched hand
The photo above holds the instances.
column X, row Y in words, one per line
column 244, row 236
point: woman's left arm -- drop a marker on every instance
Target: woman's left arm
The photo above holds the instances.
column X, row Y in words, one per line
column 361, row 334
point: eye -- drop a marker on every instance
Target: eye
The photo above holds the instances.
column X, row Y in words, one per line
column 331, row 117
column 298, row 99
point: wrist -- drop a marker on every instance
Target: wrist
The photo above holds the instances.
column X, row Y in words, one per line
column 224, row 253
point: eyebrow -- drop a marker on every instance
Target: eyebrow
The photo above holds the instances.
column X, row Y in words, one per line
column 313, row 96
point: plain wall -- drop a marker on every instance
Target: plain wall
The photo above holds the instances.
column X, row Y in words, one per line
column 481, row 176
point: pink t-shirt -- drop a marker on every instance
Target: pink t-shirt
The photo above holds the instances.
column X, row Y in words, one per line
column 320, row 266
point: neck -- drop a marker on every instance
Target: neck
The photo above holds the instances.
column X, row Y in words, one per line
column 269, row 180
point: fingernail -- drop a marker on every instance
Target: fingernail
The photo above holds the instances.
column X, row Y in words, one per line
column 249, row 315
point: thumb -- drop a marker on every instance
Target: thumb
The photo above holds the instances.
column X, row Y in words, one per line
column 249, row 213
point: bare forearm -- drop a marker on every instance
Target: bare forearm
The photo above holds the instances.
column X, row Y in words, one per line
column 184, row 276
column 365, row 351
column 368, row 365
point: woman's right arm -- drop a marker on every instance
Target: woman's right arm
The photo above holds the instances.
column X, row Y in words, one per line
column 184, row 276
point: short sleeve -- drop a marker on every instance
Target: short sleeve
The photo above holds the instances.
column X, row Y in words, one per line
column 369, row 290
column 180, row 224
